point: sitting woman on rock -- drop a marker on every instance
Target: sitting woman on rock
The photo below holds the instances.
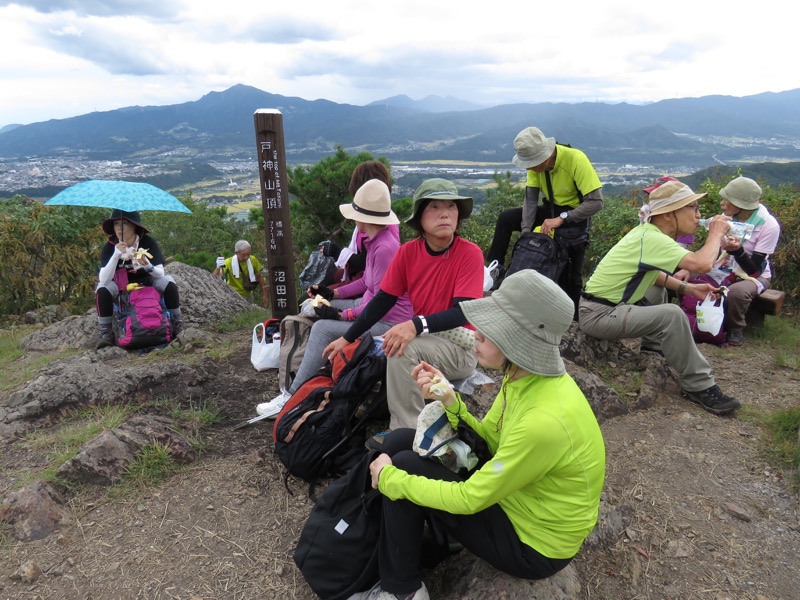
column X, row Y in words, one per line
column 529, row 508
column 371, row 209
column 132, row 249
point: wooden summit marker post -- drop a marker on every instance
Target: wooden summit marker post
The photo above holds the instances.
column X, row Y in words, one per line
column 275, row 203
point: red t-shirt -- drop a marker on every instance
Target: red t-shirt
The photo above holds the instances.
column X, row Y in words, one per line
column 433, row 281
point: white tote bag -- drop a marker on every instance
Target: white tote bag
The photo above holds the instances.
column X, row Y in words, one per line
column 265, row 355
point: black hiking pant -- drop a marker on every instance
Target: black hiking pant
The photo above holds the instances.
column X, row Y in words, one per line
column 488, row 534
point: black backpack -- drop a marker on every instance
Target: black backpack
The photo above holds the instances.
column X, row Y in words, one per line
column 317, row 432
column 540, row 252
column 320, row 270
column 338, row 547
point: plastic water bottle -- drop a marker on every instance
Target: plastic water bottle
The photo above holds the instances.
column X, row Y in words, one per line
column 740, row 231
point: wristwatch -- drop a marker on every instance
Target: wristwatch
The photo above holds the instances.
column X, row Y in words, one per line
column 564, row 215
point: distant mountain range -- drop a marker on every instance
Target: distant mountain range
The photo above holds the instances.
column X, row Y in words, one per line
column 690, row 132
column 436, row 104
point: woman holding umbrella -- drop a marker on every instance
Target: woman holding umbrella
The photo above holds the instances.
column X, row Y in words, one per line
column 131, row 250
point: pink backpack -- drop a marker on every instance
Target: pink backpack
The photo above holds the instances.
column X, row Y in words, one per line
column 141, row 319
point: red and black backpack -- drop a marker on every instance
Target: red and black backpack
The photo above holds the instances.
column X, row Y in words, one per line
column 317, row 432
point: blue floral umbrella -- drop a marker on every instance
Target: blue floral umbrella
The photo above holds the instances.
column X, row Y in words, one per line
column 125, row 195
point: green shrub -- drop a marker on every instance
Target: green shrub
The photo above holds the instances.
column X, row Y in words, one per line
column 617, row 217
column 505, row 194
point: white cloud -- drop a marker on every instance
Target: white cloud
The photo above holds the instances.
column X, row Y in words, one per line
column 69, row 57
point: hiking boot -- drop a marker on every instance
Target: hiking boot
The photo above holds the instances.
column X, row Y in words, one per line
column 713, row 400
column 376, row 441
column 497, row 274
column 378, row 593
column 651, row 350
column 274, row 406
column 177, row 327
column 735, row 337
column 105, row 340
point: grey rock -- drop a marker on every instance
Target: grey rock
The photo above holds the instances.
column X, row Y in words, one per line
column 605, row 401
column 204, row 299
column 85, row 380
column 46, row 315
column 611, row 525
column 103, row 460
column 466, row 577
column 34, row 512
column 587, row 351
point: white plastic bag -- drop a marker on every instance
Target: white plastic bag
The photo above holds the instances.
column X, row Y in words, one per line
column 488, row 282
column 710, row 315
column 265, row 355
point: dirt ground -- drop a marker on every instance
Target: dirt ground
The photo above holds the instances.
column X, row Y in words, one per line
column 710, row 519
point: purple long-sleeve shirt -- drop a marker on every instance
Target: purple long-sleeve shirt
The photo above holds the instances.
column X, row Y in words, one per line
column 380, row 251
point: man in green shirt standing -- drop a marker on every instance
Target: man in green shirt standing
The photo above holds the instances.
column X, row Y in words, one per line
column 571, row 192
column 242, row 271
column 626, row 296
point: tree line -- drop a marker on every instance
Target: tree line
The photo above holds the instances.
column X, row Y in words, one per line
column 49, row 255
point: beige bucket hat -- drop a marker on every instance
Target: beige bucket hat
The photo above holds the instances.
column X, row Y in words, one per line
column 743, row 193
column 532, row 148
column 671, row 196
column 525, row 318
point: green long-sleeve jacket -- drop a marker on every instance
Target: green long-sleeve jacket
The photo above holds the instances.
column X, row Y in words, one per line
column 546, row 471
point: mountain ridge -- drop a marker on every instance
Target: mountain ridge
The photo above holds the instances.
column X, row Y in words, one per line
column 692, row 132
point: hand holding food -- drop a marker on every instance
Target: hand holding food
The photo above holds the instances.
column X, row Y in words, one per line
column 433, row 384
column 440, row 386
column 318, row 301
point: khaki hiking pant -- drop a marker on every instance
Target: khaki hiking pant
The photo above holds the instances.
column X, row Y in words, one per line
column 661, row 325
column 740, row 295
column 404, row 399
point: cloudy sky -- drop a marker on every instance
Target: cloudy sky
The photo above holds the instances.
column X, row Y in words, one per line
column 62, row 58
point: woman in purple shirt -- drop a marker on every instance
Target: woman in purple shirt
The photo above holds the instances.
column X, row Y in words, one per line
column 372, row 212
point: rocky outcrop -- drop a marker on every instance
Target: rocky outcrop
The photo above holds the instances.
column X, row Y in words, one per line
column 204, row 299
column 89, row 379
column 587, row 353
column 473, row 579
column 605, row 402
column 34, row 511
column 114, row 374
column 104, row 459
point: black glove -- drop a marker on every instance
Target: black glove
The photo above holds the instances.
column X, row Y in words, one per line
column 329, row 248
column 327, row 312
column 323, row 291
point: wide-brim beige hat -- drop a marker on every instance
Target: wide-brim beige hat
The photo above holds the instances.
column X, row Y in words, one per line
column 526, row 319
column 671, row 196
column 743, row 193
column 371, row 204
column 532, row 148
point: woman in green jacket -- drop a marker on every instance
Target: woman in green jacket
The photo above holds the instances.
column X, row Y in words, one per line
column 528, row 509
